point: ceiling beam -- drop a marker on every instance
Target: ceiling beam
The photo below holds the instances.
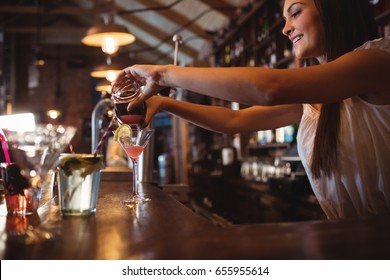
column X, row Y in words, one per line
column 157, row 33
column 31, row 9
column 173, row 16
column 222, row 6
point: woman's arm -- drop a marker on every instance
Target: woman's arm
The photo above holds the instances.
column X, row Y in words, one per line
column 225, row 120
column 362, row 72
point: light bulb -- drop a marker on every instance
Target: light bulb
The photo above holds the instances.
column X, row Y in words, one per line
column 54, row 114
column 111, row 75
column 109, row 45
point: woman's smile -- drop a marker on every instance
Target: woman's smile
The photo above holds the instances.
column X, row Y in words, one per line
column 296, row 39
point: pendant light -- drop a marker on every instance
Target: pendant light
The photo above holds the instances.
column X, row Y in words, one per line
column 109, row 36
column 108, row 71
column 104, row 86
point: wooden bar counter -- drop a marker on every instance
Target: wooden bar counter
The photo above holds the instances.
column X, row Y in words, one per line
column 163, row 228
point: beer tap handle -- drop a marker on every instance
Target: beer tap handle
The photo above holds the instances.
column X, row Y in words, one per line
column 177, row 39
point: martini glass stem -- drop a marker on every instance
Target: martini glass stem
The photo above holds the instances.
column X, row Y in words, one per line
column 135, row 177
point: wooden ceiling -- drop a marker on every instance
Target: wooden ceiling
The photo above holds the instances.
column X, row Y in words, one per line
column 153, row 22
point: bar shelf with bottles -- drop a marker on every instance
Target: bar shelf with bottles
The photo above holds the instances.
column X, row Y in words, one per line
column 233, row 184
column 254, row 38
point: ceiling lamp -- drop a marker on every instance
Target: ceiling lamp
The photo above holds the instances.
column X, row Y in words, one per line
column 108, row 36
column 104, row 86
column 108, row 71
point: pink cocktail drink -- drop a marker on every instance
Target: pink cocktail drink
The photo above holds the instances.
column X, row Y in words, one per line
column 134, row 151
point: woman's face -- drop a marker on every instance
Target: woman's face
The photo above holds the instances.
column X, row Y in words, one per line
column 304, row 28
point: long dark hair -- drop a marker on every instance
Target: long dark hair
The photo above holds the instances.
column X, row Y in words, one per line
column 347, row 25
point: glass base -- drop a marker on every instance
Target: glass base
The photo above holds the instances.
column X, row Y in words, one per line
column 70, row 212
column 135, row 199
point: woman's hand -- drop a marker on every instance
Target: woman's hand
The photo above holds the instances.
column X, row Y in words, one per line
column 154, row 104
column 147, row 76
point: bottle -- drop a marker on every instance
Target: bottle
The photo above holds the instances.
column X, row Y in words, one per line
column 228, row 159
column 166, row 169
column 122, row 98
column 227, row 56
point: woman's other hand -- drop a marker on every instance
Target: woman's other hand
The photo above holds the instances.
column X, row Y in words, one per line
column 154, row 105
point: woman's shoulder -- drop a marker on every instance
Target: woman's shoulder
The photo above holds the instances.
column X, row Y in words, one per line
column 380, row 43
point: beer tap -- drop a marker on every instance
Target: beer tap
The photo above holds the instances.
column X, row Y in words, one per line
column 177, row 39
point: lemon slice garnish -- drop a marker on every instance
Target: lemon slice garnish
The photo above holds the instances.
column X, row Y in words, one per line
column 124, row 130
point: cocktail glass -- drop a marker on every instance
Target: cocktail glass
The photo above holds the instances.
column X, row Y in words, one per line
column 134, row 146
column 34, row 154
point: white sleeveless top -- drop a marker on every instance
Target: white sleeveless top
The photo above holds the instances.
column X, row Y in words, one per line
column 361, row 184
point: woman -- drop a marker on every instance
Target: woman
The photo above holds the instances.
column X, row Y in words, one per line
column 342, row 101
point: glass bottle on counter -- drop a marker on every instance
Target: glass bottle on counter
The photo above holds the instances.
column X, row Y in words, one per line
column 122, row 98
